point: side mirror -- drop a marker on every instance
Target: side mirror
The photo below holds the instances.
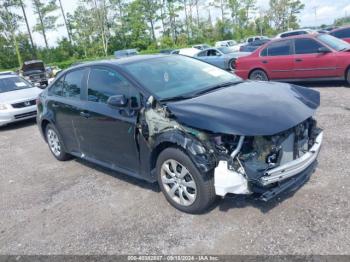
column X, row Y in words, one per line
column 117, row 101
column 323, row 50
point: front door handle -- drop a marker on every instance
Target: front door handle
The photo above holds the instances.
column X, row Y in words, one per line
column 54, row 105
column 84, row 114
column 298, row 60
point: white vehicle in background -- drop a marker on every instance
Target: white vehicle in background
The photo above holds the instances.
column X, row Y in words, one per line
column 17, row 99
column 226, row 43
column 201, row 46
column 191, row 52
column 295, row 32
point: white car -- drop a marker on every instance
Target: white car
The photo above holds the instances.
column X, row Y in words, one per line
column 295, row 32
column 191, row 52
column 17, row 99
column 226, row 43
column 201, row 46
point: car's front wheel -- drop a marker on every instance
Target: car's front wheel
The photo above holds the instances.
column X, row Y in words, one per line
column 258, row 75
column 182, row 184
column 55, row 144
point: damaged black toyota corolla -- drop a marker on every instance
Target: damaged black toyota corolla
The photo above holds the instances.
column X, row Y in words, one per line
column 196, row 129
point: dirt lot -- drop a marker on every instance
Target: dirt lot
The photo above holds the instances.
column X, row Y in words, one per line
column 50, row 207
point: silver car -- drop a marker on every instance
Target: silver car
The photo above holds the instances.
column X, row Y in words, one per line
column 17, row 99
column 222, row 57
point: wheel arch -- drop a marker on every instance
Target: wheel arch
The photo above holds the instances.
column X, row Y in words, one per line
column 200, row 156
column 43, row 126
column 258, row 68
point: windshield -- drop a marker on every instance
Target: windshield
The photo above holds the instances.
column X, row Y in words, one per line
column 334, row 42
column 174, row 76
column 12, row 84
column 231, row 43
column 225, row 50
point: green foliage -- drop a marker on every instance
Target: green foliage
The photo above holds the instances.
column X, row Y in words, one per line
column 342, row 21
column 99, row 27
column 45, row 20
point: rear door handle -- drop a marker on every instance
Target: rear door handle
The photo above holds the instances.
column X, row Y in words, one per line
column 298, row 60
column 84, row 114
column 264, row 62
column 55, row 105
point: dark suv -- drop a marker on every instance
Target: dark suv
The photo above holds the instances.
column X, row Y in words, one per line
column 34, row 71
column 199, row 131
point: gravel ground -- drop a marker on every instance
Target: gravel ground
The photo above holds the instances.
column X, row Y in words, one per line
column 50, row 207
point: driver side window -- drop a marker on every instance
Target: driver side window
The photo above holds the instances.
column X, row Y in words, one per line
column 104, row 83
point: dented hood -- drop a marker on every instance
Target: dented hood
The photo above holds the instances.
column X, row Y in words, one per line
column 249, row 108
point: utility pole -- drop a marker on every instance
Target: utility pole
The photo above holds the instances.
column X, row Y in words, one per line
column 65, row 22
column 315, row 10
column 28, row 28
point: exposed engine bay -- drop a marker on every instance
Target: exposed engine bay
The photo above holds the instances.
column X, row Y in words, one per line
column 240, row 163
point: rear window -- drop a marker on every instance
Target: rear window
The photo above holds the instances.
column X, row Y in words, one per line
column 12, row 84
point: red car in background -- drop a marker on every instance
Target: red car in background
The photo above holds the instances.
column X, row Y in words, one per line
column 342, row 33
column 298, row 58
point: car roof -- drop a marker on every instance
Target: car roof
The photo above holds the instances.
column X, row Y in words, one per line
column 121, row 61
column 312, row 35
column 340, row 28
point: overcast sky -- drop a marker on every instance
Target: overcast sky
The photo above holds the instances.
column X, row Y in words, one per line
column 326, row 12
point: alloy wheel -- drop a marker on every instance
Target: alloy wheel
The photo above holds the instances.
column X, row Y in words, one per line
column 178, row 183
column 54, row 142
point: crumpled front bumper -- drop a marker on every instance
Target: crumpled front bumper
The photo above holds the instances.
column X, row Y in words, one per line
column 275, row 181
column 294, row 167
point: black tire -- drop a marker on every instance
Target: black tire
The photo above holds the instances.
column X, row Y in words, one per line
column 347, row 77
column 258, row 75
column 51, row 135
column 204, row 183
column 230, row 64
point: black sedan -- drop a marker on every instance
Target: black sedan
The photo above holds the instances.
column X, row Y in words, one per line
column 197, row 130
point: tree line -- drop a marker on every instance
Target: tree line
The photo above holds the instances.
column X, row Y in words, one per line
column 96, row 28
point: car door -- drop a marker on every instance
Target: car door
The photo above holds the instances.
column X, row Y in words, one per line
column 65, row 105
column 310, row 62
column 278, row 60
column 108, row 131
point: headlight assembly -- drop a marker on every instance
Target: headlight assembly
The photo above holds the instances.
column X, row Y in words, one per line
column 3, row 107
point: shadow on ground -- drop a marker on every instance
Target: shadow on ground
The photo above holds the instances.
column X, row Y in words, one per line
column 129, row 179
column 21, row 124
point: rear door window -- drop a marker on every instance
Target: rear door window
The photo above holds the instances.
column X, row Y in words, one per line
column 203, row 53
column 279, row 48
column 306, row 46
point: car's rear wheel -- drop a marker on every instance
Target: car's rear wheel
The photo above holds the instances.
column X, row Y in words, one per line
column 183, row 185
column 347, row 78
column 55, row 143
column 258, row 75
